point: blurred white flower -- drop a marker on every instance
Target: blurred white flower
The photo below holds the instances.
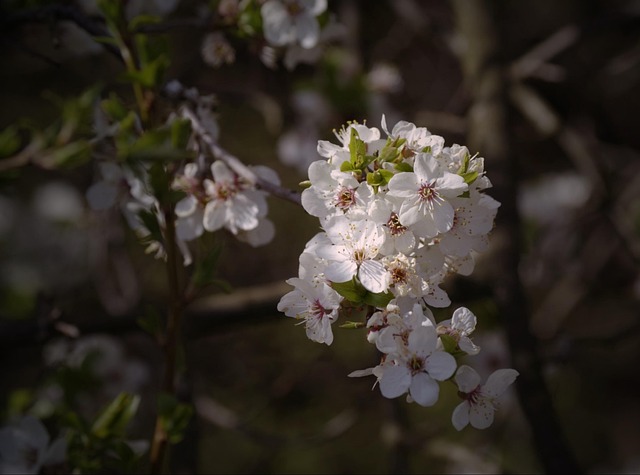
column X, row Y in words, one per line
column 26, row 447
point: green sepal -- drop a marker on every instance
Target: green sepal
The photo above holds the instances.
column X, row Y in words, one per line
column 113, row 419
column 353, row 325
column 305, row 184
column 449, row 343
column 469, row 177
column 379, row 178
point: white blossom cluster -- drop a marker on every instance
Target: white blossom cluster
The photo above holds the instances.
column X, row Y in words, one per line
column 398, row 214
column 215, row 197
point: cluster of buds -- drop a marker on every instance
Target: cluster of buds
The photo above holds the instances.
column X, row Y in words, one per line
column 398, row 214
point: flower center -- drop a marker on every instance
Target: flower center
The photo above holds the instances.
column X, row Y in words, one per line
column 395, row 228
column 318, row 311
column 428, row 192
column 472, row 397
column 345, row 198
column 416, row 364
column 398, row 275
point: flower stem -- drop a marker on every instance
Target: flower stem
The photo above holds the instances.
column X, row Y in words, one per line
column 172, row 335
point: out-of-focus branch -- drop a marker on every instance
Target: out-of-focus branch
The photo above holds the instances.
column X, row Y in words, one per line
column 176, row 91
column 48, row 13
column 203, row 317
column 489, row 133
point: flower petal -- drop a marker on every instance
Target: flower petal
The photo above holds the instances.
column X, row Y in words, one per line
column 424, row 390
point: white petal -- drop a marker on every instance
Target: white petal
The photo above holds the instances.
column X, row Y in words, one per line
column 498, row 382
column 374, row 276
column 464, row 320
column 102, row 195
column 440, row 365
column 424, row 390
column 395, row 381
column 341, row 271
column 307, row 31
column 214, row 215
column 460, row 416
column 481, row 414
column 186, row 206
column 467, row 379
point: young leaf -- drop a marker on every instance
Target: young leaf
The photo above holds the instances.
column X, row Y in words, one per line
column 113, row 420
column 352, row 290
column 174, row 415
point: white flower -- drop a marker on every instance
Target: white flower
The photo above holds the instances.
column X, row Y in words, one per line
column 426, row 192
column 286, row 22
column 480, row 401
column 459, row 327
column 25, row 447
column 417, row 138
column 317, row 304
column 418, row 369
column 332, row 191
column 472, row 222
column 233, row 204
column 353, row 252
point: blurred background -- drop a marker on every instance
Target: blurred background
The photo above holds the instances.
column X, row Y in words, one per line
column 547, row 92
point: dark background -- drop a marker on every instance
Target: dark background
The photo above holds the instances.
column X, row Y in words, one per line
column 556, row 295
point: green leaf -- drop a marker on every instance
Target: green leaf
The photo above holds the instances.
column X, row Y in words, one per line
column 205, row 268
column 152, row 321
column 379, row 300
column 346, row 167
column 9, row 141
column 70, row 155
column 114, row 107
column 357, row 150
column 113, row 420
column 180, row 133
column 403, row 167
column 174, row 415
column 351, row 290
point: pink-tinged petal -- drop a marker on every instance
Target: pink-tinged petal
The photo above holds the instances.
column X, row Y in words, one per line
column 498, row 382
column 424, row 390
column 214, row 215
column 467, row 379
column 460, row 416
column 395, row 381
column 440, row 365
column 374, row 276
column 481, row 414
column 341, row 271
